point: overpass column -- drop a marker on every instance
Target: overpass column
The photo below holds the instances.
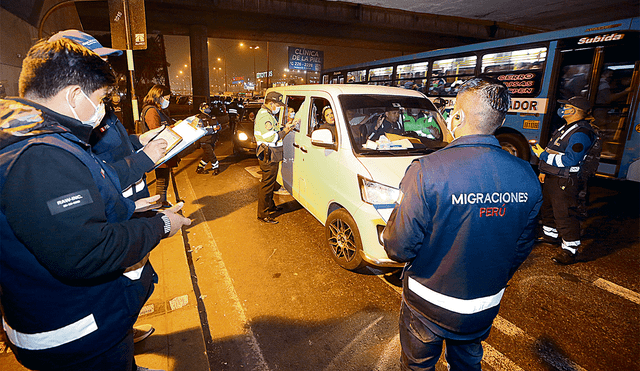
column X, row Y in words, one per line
column 199, row 64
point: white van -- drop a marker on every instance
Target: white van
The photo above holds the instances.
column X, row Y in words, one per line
column 350, row 182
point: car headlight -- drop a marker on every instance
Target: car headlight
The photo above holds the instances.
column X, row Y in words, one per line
column 376, row 193
column 242, row 136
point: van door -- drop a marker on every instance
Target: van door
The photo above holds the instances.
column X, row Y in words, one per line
column 296, row 105
column 315, row 167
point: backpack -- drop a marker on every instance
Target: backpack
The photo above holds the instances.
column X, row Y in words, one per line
column 141, row 126
column 591, row 160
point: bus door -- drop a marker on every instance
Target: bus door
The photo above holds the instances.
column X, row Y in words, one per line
column 607, row 75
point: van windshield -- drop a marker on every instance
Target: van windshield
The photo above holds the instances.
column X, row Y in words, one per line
column 383, row 125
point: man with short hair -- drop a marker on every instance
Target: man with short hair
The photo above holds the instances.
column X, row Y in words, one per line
column 269, row 134
column 69, row 296
column 464, row 222
column 388, row 123
column 559, row 166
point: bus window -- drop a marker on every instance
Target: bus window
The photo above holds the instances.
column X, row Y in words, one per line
column 356, row 76
column 519, row 70
column 517, row 60
column 412, row 76
column 449, row 74
column 382, row 74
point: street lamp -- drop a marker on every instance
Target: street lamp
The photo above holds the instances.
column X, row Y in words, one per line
column 254, row 48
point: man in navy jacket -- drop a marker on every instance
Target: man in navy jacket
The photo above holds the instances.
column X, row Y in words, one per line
column 464, row 223
column 69, row 298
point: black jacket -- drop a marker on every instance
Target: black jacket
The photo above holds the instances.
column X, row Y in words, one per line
column 66, row 238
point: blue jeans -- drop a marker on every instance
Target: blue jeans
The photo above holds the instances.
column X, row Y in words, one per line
column 421, row 348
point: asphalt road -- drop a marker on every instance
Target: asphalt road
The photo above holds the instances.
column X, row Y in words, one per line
column 273, row 299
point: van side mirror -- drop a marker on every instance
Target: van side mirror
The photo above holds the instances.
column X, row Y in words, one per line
column 323, row 138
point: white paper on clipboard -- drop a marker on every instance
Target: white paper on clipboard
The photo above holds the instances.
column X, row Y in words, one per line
column 189, row 132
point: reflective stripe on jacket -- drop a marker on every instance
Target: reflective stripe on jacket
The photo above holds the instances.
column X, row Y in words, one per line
column 566, row 149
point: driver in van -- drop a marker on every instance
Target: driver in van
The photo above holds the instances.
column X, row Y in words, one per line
column 389, row 122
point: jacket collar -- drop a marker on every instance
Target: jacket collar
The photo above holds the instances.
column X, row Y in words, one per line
column 477, row 139
column 54, row 122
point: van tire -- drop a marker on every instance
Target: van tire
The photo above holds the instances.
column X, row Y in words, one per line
column 343, row 240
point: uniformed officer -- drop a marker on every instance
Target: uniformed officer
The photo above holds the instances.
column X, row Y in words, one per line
column 208, row 142
column 464, row 222
column 269, row 134
column 559, row 167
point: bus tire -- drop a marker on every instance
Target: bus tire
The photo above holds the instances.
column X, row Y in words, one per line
column 515, row 145
column 343, row 240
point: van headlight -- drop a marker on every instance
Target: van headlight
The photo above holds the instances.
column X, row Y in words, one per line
column 376, row 193
column 242, row 136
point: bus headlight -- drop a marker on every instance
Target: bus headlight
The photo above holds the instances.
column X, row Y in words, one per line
column 377, row 193
column 242, row 136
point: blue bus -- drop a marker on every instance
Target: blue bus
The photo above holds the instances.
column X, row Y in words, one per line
column 600, row 62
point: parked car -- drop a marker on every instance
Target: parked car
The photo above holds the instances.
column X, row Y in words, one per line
column 243, row 139
column 350, row 182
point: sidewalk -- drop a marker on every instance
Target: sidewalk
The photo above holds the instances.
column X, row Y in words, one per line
column 177, row 343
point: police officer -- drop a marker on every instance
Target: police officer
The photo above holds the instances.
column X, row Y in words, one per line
column 208, row 142
column 559, row 168
column 464, row 222
column 269, row 134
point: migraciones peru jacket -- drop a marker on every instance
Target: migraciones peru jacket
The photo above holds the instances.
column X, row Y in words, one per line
column 566, row 149
column 465, row 222
column 66, row 238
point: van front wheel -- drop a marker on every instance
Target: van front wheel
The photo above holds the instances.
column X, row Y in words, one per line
column 343, row 239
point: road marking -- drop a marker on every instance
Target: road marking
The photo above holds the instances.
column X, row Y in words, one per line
column 253, row 356
column 497, row 360
column 618, row 290
column 333, row 365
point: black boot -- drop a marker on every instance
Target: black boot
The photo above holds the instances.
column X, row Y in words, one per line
column 201, row 170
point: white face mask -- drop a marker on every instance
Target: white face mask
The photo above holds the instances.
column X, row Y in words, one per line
column 276, row 110
column 97, row 116
column 164, row 104
column 292, row 115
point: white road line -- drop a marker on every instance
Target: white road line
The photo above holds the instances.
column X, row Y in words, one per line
column 497, row 360
column 618, row 290
column 333, row 364
column 254, row 357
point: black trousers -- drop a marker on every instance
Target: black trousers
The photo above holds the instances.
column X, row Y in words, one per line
column 208, row 144
column 267, row 185
column 561, row 206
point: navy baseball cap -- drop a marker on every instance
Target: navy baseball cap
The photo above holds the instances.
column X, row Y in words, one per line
column 87, row 41
column 579, row 102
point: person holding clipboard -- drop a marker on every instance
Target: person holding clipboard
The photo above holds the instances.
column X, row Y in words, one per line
column 153, row 117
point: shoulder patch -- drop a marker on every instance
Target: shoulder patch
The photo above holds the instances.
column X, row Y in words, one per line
column 69, row 201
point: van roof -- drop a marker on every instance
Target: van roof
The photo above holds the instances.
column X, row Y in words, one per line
column 336, row 89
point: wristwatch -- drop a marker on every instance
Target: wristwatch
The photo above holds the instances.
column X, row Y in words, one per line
column 167, row 225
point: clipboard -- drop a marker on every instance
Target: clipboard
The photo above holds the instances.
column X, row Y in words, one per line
column 189, row 131
column 168, row 134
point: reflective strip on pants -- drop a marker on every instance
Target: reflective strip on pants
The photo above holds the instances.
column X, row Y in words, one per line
column 462, row 306
column 53, row 338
